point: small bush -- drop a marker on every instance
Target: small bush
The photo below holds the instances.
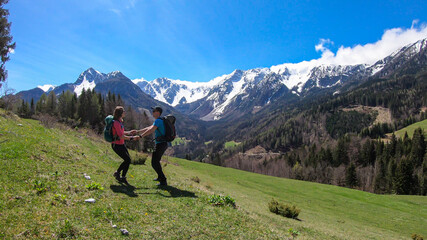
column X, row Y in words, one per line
column 94, row 186
column 47, row 120
column 139, row 159
column 294, row 233
column 195, row 179
column 60, row 198
column 218, row 200
column 39, row 186
column 417, row 237
column 283, row 209
column 67, row 230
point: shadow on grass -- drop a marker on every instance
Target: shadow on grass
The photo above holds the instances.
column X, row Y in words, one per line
column 176, row 192
column 173, row 191
column 126, row 189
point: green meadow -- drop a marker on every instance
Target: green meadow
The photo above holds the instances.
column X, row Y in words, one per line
column 411, row 128
column 43, row 193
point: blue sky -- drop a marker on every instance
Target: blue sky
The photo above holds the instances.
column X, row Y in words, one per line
column 193, row 40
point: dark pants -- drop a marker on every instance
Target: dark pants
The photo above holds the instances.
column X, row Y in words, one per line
column 122, row 151
column 155, row 160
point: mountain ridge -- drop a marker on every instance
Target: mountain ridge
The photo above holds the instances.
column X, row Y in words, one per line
column 216, row 99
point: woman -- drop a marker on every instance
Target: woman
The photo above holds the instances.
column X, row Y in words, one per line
column 119, row 145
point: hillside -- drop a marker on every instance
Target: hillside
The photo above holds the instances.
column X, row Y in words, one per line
column 44, row 188
column 411, row 128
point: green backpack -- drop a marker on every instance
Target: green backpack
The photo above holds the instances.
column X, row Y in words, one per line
column 108, row 130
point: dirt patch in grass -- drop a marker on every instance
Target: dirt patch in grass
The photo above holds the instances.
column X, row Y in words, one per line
column 383, row 114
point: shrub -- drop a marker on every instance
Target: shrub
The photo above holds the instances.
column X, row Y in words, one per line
column 60, row 198
column 67, row 230
column 39, row 186
column 294, row 233
column 218, row 200
column 283, row 209
column 417, row 237
column 195, row 179
column 139, row 159
column 94, row 186
column 47, row 120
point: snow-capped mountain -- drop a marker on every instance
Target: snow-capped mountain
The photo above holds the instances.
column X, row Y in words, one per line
column 174, row 92
column 88, row 79
column 232, row 90
column 247, row 91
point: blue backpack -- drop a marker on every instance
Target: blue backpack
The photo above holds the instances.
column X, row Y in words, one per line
column 108, row 130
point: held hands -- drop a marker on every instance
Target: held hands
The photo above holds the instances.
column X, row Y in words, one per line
column 133, row 132
column 136, row 138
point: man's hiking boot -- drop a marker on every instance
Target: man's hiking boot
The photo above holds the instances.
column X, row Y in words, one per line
column 123, row 180
column 162, row 183
column 116, row 175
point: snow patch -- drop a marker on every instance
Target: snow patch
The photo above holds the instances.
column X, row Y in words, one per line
column 84, row 85
column 47, row 87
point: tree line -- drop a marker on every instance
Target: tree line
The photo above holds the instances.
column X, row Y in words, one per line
column 321, row 141
column 88, row 110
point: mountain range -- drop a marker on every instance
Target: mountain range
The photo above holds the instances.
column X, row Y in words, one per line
column 240, row 92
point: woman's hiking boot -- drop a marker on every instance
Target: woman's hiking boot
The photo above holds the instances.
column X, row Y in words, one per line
column 116, row 175
column 123, row 180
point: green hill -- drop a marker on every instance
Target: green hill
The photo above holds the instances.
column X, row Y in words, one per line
column 411, row 128
column 43, row 194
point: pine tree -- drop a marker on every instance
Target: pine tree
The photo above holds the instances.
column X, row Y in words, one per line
column 73, row 107
column 351, row 176
column 24, row 110
column 82, row 110
column 341, row 154
column 6, row 45
column 32, row 107
column 380, row 184
column 41, row 105
column 418, row 147
column 392, row 145
column 403, row 181
column 424, row 177
column 51, row 104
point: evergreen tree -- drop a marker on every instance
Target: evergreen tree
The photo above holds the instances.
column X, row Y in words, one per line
column 73, row 107
column 424, row 178
column 404, row 181
column 24, row 110
column 380, row 184
column 351, row 176
column 41, row 106
column 341, row 153
column 94, row 108
column 64, row 105
column 6, row 45
column 418, row 147
column 392, row 145
column 82, row 108
column 32, row 107
column 51, row 104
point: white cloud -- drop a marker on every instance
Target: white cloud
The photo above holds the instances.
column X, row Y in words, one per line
column 139, row 80
column 321, row 46
column 391, row 41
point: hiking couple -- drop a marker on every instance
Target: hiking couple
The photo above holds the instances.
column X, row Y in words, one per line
column 119, row 145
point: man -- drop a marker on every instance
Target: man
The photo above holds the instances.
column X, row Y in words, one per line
column 158, row 128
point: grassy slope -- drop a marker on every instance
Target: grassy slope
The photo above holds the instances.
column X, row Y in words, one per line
column 31, row 152
column 411, row 128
